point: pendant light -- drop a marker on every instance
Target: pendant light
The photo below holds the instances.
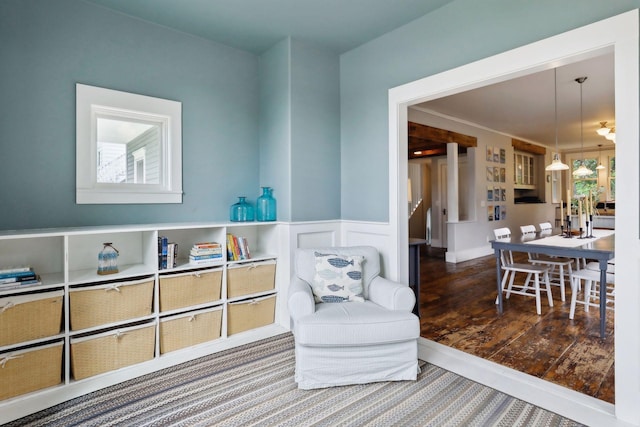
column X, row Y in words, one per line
column 556, row 163
column 600, row 165
column 582, row 171
column 603, row 130
column 611, row 136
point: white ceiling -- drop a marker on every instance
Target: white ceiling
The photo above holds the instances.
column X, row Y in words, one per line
column 522, row 108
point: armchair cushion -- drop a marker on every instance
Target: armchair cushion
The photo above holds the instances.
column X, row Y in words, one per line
column 356, row 324
column 338, row 278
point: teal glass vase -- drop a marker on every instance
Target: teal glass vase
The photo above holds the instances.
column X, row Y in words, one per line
column 241, row 211
column 266, row 205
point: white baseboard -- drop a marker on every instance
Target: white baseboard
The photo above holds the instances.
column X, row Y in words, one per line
column 469, row 254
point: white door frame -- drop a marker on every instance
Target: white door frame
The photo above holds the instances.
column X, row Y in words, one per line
column 620, row 35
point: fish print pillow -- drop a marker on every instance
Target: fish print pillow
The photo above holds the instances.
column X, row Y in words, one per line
column 338, row 278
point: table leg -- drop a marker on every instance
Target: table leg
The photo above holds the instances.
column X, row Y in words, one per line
column 603, row 296
column 499, row 280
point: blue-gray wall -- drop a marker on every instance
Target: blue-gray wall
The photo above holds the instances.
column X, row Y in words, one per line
column 458, row 33
column 275, row 125
column 315, row 134
column 48, row 46
column 247, row 121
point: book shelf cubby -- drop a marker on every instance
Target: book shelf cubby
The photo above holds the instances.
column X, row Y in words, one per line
column 157, row 315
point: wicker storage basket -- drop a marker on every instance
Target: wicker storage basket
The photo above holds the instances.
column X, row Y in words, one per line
column 112, row 350
column 112, row 302
column 250, row 314
column 247, row 279
column 189, row 329
column 29, row 370
column 184, row 290
column 30, row 317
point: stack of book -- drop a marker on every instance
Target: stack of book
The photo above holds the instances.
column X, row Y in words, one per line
column 237, row 248
column 167, row 253
column 18, row 277
column 205, row 252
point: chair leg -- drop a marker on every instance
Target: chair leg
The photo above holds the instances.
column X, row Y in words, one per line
column 575, row 284
column 588, row 284
column 549, row 296
column 561, row 273
column 511, row 280
column 537, row 288
column 526, row 282
column 505, row 277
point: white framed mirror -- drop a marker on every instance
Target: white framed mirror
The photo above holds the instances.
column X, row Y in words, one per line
column 128, row 147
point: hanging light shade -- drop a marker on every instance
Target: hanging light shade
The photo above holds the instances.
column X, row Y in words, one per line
column 556, row 163
column 603, row 130
column 600, row 165
column 611, row 136
column 582, row 170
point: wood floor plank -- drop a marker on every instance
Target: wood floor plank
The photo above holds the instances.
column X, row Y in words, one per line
column 457, row 307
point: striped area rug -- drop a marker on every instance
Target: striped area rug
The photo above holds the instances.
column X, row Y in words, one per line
column 253, row 385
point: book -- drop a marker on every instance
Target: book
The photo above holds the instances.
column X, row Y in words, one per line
column 237, row 248
column 217, row 251
column 18, row 279
column 203, row 261
column 16, row 274
column 199, row 257
column 172, row 255
column 14, row 270
column 207, row 245
column 21, row 284
column 163, row 247
column 244, row 247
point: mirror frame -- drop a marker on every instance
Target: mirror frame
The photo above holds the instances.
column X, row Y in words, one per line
column 91, row 102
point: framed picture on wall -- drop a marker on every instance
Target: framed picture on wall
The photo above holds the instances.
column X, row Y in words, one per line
column 489, row 154
column 503, row 212
column 490, row 193
column 496, row 174
column 503, row 155
column 496, row 214
column 490, row 213
column 489, row 174
column 503, row 174
column 496, row 154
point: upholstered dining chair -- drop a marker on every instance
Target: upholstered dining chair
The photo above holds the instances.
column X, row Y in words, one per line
column 350, row 325
column 511, row 268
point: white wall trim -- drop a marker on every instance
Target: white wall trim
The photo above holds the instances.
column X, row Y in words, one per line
column 618, row 33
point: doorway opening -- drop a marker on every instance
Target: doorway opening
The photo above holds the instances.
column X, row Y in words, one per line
column 618, row 34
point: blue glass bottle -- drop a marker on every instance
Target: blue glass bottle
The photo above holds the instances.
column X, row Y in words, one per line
column 266, row 205
column 241, row 211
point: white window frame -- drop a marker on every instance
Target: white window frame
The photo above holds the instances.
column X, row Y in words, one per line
column 93, row 101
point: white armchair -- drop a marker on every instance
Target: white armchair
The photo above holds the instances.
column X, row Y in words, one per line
column 352, row 342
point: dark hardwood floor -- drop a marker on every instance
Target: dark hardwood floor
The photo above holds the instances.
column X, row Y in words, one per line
column 457, row 307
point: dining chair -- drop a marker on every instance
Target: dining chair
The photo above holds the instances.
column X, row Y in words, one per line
column 559, row 267
column 591, row 289
column 545, row 227
column 511, row 268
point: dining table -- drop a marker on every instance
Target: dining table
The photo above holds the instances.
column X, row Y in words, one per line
column 598, row 246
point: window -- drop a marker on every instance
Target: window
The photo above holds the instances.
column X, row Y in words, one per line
column 612, row 179
column 128, row 148
column 583, row 185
